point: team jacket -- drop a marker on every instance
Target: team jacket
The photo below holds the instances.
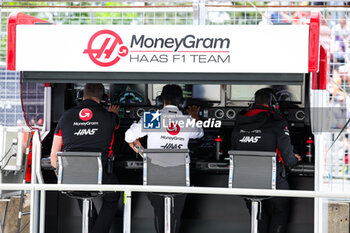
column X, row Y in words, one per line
column 173, row 137
column 261, row 129
column 88, row 127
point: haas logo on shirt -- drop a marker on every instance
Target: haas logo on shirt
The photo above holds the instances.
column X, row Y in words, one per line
column 85, row 114
column 83, row 132
column 247, row 139
column 173, row 129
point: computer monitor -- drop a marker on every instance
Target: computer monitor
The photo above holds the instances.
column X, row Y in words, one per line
column 288, row 93
column 206, row 92
column 283, row 93
column 128, row 94
column 157, row 90
column 244, row 92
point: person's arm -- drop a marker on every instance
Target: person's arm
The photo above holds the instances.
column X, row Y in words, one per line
column 115, row 109
column 284, row 145
column 196, row 132
column 56, row 147
column 57, row 144
column 193, row 111
column 133, row 134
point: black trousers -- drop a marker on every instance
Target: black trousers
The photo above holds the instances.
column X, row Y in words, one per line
column 157, row 201
column 109, row 206
column 102, row 222
column 274, row 212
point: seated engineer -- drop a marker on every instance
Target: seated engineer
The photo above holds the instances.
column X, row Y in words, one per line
column 271, row 133
column 73, row 134
column 172, row 97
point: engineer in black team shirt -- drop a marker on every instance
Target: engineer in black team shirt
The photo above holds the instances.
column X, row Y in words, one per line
column 90, row 127
column 272, row 134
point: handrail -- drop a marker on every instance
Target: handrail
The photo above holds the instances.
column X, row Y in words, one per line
column 182, row 8
column 174, row 189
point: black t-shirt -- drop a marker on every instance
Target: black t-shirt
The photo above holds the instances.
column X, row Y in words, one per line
column 88, row 127
column 261, row 129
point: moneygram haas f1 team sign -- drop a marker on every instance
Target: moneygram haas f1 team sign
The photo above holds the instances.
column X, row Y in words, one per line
column 252, row 49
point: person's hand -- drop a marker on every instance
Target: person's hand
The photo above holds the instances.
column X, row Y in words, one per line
column 114, row 108
column 134, row 143
column 298, row 157
column 193, row 111
column 53, row 162
column 54, row 165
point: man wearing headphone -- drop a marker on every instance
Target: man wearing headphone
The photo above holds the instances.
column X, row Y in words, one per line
column 90, row 127
column 176, row 138
column 271, row 133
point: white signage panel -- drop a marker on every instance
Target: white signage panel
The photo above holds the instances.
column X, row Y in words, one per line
column 122, row 48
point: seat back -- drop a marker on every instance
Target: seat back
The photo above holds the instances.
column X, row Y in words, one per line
column 79, row 168
column 252, row 169
column 166, row 167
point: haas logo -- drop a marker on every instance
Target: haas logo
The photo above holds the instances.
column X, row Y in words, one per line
column 173, row 129
column 172, row 146
column 82, row 132
column 247, row 139
column 105, row 48
column 85, row 114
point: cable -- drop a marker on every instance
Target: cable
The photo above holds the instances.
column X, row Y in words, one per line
column 7, row 162
column 6, row 153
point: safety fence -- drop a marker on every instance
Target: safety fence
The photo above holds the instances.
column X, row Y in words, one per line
column 172, row 189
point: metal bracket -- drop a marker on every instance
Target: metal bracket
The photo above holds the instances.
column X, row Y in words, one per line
column 187, row 161
column 99, row 170
column 60, row 170
column 144, row 168
column 230, row 176
column 274, row 173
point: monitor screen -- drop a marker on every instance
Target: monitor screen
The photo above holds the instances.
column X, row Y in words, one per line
column 206, row 92
column 244, row 92
column 288, row 93
column 157, row 90
column 128, row 94
column 283, row 93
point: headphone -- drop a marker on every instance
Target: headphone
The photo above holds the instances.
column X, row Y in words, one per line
column 80, row 95
column 160, row 103
column 105, row 99
column 273, row 103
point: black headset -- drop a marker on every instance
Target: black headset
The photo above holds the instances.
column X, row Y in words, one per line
column 160, row 103
column 80, row 95
column 273, row 103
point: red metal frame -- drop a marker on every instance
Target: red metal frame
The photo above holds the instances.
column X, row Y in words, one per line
column 14, row 20
column 319, row 44
column 320, row 79
column 314, row 41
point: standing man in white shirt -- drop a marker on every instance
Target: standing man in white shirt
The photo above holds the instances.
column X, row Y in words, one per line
column 174, row 137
